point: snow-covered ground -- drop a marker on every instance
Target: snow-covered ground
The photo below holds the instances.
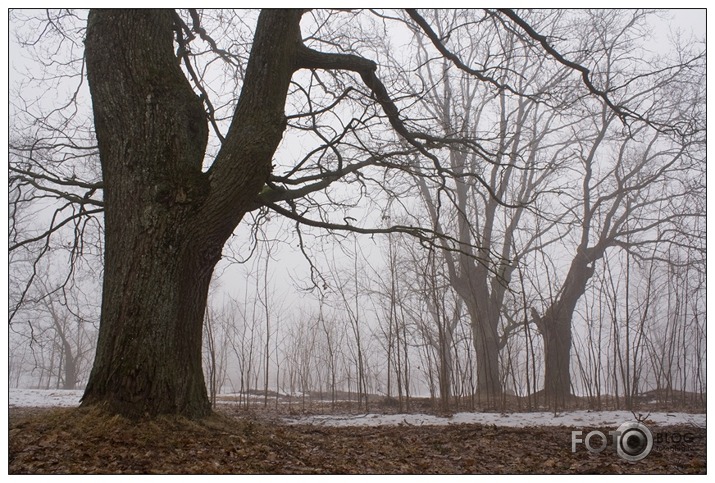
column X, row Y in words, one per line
column 63, row 398
column 41, row 398
column 517, row 420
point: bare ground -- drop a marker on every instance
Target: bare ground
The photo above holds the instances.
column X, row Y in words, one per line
column 79, row 441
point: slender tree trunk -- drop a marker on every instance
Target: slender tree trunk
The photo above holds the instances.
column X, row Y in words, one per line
column 165, row 220
column 212, row 367
column 69, row 356
column 445, row 371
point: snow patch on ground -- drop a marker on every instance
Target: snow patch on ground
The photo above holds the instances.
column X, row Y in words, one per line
column 67, row 398
column 516, row 420
column 42, row 398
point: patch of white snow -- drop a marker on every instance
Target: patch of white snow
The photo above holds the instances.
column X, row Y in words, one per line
column 44, row 397
column 516, row 420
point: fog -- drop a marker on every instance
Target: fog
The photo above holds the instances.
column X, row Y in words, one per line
column 518, row 211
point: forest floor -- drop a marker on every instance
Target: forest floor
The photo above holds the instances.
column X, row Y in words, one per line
column 250, row 441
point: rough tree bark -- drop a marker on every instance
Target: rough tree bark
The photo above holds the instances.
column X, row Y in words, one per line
column 166, row 221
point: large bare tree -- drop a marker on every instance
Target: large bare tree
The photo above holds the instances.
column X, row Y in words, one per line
column 166, row 220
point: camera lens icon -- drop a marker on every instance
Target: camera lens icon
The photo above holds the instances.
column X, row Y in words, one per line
column 633, row 441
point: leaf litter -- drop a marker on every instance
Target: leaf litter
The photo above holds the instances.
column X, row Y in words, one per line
column 88, row 441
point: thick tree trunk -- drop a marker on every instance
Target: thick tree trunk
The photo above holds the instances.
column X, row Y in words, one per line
column 165, row 220
column 152, row 135
column 484, row 321
column 555, row 328
column 557, row 361
column 483, row 307
column 486, row 348
column 70, row 366
column 149, row 353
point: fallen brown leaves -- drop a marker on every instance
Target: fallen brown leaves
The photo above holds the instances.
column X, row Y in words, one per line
column 78, row 441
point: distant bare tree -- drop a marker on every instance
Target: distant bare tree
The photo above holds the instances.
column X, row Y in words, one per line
column 635, row 177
